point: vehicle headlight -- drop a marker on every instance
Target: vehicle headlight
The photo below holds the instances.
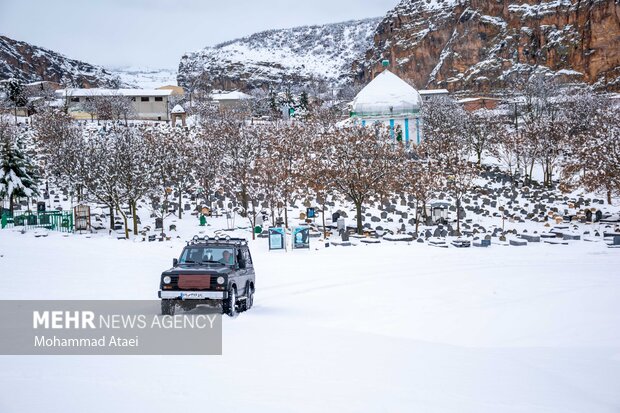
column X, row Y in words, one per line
column 220, row 280
column 167, row 279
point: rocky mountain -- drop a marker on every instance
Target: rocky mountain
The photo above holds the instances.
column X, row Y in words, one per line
column 275, row 56
column 483, row 45
column 30, row 63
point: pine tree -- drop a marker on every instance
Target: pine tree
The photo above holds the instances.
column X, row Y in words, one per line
column 18, row 175
column 16, row 93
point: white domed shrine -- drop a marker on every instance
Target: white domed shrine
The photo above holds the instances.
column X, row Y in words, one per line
column 390, row 100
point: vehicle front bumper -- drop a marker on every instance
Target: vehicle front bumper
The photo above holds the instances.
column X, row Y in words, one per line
column 192, row 295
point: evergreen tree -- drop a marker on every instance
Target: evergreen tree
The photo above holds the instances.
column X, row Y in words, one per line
column 303, row 101
column 16, row 93
column 18, row 175
column 273, row 104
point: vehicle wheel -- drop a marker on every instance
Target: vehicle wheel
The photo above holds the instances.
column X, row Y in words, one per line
column 167, row 307
column 230, row 306
column 249, row 300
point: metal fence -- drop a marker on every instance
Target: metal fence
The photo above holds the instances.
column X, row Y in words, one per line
column 54, row 220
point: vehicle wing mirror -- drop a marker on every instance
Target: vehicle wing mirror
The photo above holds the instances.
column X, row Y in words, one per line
column 242, row 263
column 175, row 262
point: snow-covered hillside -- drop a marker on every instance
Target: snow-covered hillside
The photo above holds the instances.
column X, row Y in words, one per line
column 31, row 63
column 277, row 56
column 144, row 77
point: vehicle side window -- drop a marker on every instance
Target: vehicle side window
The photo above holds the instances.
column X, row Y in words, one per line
column 239, row 257
column 247, row 256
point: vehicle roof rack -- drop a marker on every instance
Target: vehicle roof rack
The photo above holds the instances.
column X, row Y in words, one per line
column 217, row 240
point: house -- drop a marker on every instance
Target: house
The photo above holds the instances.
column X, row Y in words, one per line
column 148, row 104
column 475, row 103
column 176, row 90
column 227, row 99
column 42, row 88
column 429, row 94
column 389, row 100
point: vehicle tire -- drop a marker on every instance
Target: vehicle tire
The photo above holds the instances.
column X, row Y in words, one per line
column 230, row 305
column 167, row 307
column 249, row 300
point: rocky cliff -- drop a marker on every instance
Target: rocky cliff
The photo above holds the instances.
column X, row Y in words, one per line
column 30, row 63
column 274, row 57
column 483, row 45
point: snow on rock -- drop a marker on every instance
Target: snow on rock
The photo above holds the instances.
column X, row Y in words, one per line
column 483, row 46
column 31, row 63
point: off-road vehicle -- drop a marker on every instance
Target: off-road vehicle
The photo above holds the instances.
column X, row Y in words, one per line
column 210, row 271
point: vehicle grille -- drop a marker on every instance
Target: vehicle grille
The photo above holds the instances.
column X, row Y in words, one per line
column 194, row 282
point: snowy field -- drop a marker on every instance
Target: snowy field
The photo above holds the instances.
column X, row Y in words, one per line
column 371, row 328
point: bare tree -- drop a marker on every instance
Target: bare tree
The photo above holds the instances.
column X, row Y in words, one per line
column 444, row 126
column 422, row 181
column 460, row 179
column 362, row 163
column 593, row 161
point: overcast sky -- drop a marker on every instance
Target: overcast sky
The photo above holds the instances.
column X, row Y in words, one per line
column 156, row 33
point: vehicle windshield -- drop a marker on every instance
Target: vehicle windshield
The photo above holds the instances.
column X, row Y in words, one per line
column 202, row 255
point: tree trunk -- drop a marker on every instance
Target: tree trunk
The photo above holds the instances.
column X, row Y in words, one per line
column 134, row 211
column 358, row 209
column 253, row 221
column 164, row 211
column 244, row 200
column 417, row 215
column 324, row 229
column 458, row 217
column 609, row 196
column 111, row 218
column 180, row 202
column 11, row 203
column 285, row 214
column 120, row 211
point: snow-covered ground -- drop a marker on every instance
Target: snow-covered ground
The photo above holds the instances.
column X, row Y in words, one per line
column 389, row 327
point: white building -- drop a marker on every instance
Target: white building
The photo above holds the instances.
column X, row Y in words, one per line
column 390, row 100
column 148, row 104
column 429, row 94
column 226, row 99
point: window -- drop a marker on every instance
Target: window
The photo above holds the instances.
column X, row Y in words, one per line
column 144, row 99
column 247, row 256
column 75, row 99
column 159, row 99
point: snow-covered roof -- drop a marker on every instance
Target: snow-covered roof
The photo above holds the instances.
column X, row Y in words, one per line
column 467, row 100
column 41, row 82
column 178, row 109
column 113, row 92
column 386, row 94
column 433, row 92
column 236, row 95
